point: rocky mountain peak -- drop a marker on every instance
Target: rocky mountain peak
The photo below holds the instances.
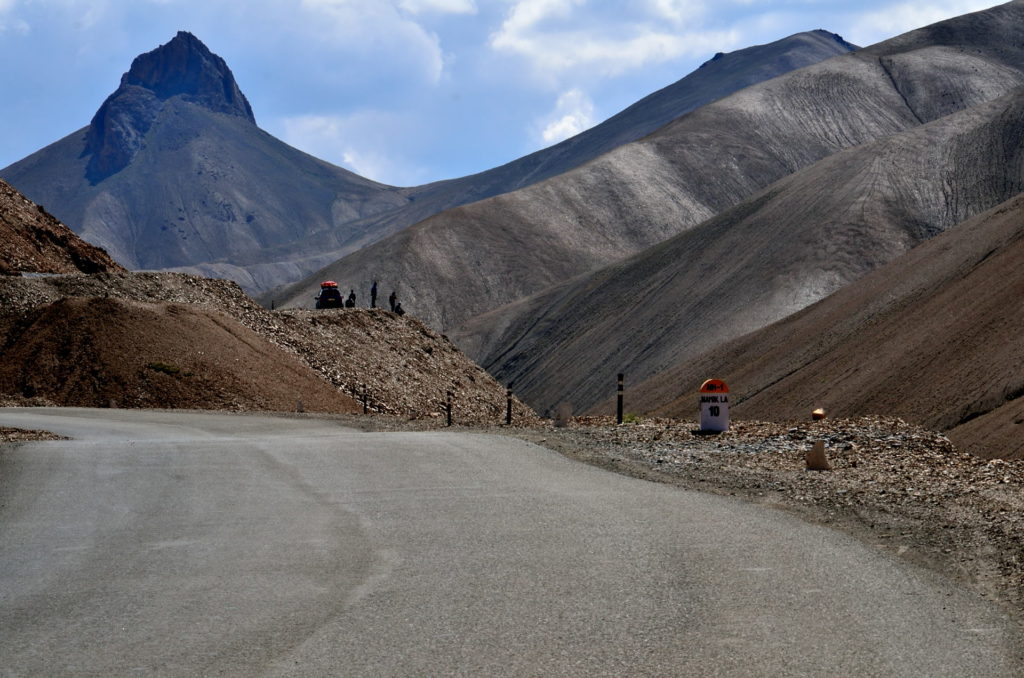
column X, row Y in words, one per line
column 184, row 67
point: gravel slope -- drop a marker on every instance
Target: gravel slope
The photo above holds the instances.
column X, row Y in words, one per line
column 398, row 364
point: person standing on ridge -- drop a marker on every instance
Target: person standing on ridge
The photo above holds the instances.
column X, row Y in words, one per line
column 392, row 299
column 373, row 295
column 351, row 301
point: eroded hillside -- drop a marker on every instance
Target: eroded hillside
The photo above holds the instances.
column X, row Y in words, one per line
column 470, row 260
column 33, row 241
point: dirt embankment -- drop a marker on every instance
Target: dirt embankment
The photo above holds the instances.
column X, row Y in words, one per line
column 100, row 352
column 398, row 365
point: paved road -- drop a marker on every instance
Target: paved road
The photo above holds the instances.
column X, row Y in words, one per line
column 185, row 545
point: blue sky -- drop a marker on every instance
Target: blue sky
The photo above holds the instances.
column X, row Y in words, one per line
column 407, row 91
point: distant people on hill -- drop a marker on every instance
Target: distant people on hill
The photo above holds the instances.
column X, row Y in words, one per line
column 398, row 309
column 373, row 295
column 392, row 299
column 351, row 301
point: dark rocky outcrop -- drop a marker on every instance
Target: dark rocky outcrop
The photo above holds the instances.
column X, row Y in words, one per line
column 184, row 67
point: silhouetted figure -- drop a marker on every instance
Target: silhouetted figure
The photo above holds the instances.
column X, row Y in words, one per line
column 392, row 299
column 373, row 295
column 351, row 301
column 398, row 309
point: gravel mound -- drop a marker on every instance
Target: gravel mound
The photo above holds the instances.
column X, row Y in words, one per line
column 100, row 352
column 395, row 364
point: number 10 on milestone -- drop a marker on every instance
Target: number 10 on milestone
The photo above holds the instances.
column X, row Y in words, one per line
column 714, row 406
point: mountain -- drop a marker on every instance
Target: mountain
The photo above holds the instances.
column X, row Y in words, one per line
column 794, row 243
column 724, row 74
column 933, row 337
column 173, row 170
column 173, row 173
column 33, row 241
column 469, row 260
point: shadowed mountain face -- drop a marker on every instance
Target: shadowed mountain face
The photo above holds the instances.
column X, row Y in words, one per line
column 933, row 337
column 794, row 243
column 173, row 173
column 183, row 68
column 466, row 261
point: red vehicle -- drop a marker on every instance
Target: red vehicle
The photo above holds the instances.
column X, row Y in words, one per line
column 330, row 296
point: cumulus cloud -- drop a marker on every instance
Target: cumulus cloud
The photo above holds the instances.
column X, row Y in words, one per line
column 376, row 25
column 880, row 24
column 574, row 112
column 443, row 6
column 370, row 143
column 557, row 37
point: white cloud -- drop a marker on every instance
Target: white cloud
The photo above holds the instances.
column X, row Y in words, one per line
column 370, row 143
column 677, row 11
column 443, row 6
column 876, row 25
column 556, row 39
column 11, row 23
column 374, row 25
column 574, row 112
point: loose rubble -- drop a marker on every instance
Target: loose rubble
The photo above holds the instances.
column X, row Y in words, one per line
column 396, row 365
column 23, row 435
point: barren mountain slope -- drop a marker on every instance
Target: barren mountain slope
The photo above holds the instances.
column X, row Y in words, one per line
column 32, row 241
column 724, row 74
column 400, row 366
column 933, row 337
column 469, row 260
column 174, row 173
column 791, row 245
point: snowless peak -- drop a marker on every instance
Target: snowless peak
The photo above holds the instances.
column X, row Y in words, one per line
column 185, row 66
column 184, row 69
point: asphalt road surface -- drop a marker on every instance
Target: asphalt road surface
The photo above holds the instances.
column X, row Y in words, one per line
column 182, row 544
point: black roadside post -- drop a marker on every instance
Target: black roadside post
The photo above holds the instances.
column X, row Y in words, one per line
column 366, row 400
column 618, row 409
column 448, row 408
column 508, row 407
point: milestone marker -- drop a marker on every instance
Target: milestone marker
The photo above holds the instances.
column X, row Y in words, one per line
column 714, row 406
